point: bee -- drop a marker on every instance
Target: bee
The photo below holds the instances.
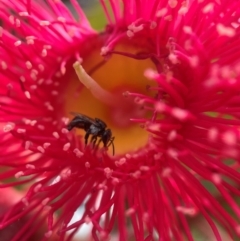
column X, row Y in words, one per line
column 94, row 127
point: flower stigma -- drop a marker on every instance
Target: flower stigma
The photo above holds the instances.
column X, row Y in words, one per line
column 92, row 85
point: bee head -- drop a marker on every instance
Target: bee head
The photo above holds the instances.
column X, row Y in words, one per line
column 106, row 137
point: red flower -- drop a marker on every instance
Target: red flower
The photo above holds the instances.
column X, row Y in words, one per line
column 189, row 112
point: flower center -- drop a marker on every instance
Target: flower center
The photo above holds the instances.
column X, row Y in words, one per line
column 115, row 76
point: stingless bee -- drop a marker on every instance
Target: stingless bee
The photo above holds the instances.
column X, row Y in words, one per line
column 94, row 127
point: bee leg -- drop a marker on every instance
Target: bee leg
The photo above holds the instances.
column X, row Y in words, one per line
column 86, row 137
column 93, row 140
column 98, row 142
column 111, row 143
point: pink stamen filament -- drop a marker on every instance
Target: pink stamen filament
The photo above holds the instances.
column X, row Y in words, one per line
column 138, row 56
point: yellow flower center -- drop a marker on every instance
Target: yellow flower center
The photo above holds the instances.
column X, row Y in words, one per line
column 117, row 75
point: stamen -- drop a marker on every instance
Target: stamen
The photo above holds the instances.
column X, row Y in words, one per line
column 96, row 90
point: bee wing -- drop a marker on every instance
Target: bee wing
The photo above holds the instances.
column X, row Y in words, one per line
column 83, row 117
column 80, row 121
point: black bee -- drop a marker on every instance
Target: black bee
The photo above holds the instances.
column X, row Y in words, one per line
column 94, row 127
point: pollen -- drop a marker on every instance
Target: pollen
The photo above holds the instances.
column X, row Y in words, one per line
column 25, row 201
column 23, row 14
column 46, row 145
column 20, row 130
column 180, row 114
column 44, row 23
column 27, row 144
column 216, row 179
column 48, row 234
column 208, row 8
column 27, row 94
column 4, row 65
column 229, row 138
column 130, row 211
column 166, row 172
column 87, row 165
column 56, row 135
column 41, row 149
column 225, row 31
column 8, row 127
column 172, row 135
column 18, row 43
column 45, row 201
column 66, row 146
column 37, row 187
column 78, row 152
column 30, row 166
column 108, row 172
column 19, row 174
column 172, row 3
column 186, row 211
